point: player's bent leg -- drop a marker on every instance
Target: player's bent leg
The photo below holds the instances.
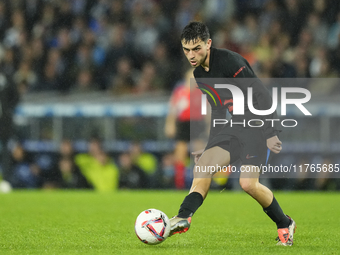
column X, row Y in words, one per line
column 203, row 171
column 286, row 226
column 249, row 182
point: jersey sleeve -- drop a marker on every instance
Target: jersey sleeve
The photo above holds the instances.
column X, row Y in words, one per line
column 264, row 101
column 240, row 68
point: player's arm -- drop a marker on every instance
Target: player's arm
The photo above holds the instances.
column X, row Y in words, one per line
column 216, row 113
column 271, row 130
column 241, row 69
column 264, row 101
column 274, row 144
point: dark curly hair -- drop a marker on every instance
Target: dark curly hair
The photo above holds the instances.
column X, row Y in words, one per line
column 195, row 31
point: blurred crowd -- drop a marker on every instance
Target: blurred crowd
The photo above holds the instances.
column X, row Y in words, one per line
column 91, row 169
column 132, row 46
column 98, row 170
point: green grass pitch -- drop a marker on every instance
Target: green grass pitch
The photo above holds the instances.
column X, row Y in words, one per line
column 82, row 222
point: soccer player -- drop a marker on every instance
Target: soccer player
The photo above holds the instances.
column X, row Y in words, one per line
column 227, row 144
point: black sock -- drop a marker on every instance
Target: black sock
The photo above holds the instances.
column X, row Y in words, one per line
column 275, row 212
column 190, row 204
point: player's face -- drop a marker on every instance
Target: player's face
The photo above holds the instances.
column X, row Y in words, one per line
column 196, row 52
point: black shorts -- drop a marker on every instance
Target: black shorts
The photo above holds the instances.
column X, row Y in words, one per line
column 247, row 144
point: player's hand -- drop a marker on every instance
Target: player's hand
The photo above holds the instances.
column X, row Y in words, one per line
column 197, row 155
column 274, row 144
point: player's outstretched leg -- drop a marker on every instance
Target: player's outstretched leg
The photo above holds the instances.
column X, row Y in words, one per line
column 285, row 225
column 199, row 187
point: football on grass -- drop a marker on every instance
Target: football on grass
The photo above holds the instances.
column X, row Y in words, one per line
column 152, row 226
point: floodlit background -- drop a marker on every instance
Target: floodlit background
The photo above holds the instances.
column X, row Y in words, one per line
column 88, row 83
